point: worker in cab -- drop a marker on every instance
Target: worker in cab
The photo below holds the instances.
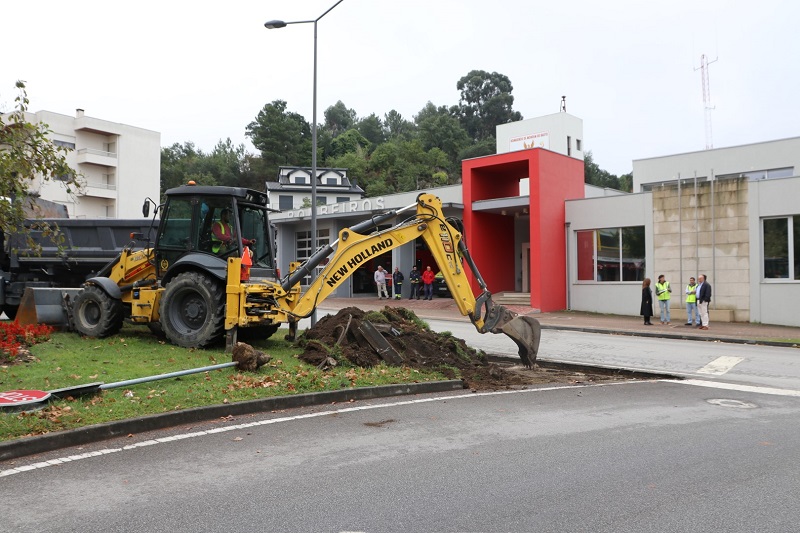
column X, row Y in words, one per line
column 222, row 234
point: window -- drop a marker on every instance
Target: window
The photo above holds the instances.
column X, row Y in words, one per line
column 285, row 202
column 322, row 200
column 300, row 180
column 569, row 145
column 754, row 175
column 332, row 181
column 781, row 237
column 65, row 144
column 303, row 239
column 578, row 145
column 611, row 254
column 340, row 199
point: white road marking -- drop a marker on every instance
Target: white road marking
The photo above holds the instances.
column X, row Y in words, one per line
column 720, row 365
column 734, row 386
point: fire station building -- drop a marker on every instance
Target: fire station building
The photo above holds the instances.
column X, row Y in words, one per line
column 540, row 235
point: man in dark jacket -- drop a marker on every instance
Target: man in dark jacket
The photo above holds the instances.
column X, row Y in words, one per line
column 414, row 278
column 397, row 283
column 703, row 299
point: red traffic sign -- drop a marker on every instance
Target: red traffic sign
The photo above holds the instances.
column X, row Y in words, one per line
column 22, row 397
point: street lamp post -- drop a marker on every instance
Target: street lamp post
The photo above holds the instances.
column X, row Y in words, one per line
column 272, row 25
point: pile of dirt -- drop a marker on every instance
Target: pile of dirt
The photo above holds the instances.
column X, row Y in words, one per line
column 344, row 336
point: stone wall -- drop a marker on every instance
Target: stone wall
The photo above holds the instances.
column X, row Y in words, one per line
column 691, row 238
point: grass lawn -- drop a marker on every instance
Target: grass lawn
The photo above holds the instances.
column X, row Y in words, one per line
column 68, row 359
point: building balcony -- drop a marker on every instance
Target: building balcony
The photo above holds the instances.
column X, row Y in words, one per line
column 96, row 157
column 99, row 189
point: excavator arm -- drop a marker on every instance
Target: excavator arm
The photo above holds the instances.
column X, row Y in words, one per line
column 444, row 238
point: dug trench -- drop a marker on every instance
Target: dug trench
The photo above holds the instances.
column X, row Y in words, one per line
column 396, row 336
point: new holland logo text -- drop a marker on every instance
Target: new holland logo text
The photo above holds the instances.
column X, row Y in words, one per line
column 343, row 271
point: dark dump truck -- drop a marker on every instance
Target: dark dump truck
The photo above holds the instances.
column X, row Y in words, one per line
column 88, row 246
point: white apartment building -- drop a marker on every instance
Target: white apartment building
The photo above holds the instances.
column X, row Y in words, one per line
column 120, row 165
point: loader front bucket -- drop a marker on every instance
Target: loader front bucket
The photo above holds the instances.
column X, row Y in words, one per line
column 44, row 305
column 526, row 332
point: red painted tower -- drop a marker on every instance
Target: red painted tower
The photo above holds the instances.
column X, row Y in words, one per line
column 493, row 206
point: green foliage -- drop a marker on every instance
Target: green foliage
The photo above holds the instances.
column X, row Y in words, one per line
column 371, row 128
column 339, row 118
column 283, row 137
column 396, row 127
column 594, row 175
column 29, row 158
column 350, row 141
column 486, row 101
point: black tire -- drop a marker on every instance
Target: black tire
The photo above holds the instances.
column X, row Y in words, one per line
column 11, row 311
column 193, row 310
column 96, row 314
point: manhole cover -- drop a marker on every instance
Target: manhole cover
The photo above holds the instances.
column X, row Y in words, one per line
column 726, row 402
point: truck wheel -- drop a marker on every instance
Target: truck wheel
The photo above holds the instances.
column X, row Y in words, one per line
column 96, row 314
column 10, row 311
column 193, row 310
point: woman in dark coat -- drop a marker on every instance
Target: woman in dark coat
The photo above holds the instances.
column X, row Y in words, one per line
column 647, row 302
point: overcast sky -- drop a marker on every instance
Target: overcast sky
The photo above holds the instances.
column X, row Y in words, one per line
column 200, row 71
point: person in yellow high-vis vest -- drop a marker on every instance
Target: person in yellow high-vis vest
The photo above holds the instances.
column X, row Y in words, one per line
column 691, row 303
column 222, row 238
column 663, row 291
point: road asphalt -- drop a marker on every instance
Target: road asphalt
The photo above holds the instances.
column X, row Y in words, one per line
column 435, row 309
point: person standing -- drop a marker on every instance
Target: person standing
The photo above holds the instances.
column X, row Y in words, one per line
column 380, row 281
column 647, row 302
column 414, row 278
column 397, row 283
column 663, row 291
column 703, row 299
column 691, row 303
column 427, row 280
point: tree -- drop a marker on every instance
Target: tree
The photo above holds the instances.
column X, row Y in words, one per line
column 486, row 101
column 439, row 129
column 284, row 138
column 396, row 127
column 339, row 119
column 594, row 175
column 371, row 128
column 27, row 158
column 349, row 141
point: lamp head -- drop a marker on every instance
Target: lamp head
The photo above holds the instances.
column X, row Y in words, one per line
column 274, row 24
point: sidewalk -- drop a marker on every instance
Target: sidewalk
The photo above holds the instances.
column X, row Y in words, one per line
column 738, row 332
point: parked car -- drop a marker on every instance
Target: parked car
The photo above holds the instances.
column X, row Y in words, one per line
column 440, row 287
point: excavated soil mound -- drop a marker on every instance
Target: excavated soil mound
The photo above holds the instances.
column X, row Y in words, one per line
column 342, row 336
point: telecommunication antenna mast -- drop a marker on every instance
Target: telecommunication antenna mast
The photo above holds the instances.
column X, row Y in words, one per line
column 704, row 62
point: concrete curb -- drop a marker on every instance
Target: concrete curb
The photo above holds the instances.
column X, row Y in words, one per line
column 678, row 336
column 75, row 437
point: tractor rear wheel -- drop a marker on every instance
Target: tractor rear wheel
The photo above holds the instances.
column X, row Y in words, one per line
column 96, row 314
column 193, row 310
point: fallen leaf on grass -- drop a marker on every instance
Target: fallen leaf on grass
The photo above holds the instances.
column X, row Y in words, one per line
column 237, row 438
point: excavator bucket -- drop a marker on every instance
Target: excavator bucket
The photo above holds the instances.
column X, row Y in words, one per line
column 526, row 332
column 41, row 305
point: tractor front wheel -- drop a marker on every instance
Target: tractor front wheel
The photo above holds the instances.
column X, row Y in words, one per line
column 193, row 310
column 96, row 314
